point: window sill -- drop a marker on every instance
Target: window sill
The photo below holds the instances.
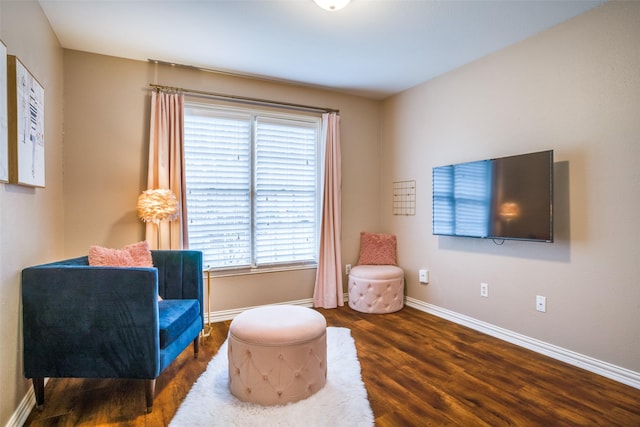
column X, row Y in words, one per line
column 261, row 270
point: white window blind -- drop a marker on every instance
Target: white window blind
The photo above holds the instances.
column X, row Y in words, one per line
column 252, row 187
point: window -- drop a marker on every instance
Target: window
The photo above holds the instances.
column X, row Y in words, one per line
column 252, row 182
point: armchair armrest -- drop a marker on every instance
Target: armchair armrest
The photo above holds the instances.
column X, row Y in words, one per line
column 93, row 322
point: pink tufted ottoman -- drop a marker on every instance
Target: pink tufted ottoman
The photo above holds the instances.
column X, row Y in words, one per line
column 376, row 288
column 277, row 354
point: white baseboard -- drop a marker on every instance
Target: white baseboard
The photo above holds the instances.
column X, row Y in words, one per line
column 608, row 370
column 23, row 410
column 220, row 316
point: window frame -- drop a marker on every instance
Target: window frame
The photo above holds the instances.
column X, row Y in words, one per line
column 270, row 114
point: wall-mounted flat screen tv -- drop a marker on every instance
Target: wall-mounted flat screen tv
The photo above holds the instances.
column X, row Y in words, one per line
column 504, row 198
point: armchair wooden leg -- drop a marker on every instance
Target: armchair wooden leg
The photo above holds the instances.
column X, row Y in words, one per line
column 38, row 388
column 196, row 346
column 149, row 393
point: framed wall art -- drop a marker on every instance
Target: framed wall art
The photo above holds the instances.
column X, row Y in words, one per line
column 25, row 98
column 4, row 136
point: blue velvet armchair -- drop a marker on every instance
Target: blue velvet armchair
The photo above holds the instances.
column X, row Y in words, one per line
column 82, row 321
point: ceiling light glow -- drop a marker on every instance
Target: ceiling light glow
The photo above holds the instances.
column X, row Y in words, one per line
column 332, row 5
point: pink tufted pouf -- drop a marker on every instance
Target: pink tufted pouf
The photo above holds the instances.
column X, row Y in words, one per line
column 376, row 288
column 277, row 354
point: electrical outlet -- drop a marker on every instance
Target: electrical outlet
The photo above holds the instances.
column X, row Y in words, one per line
column 541, row 303
column 347, row 268
column 484, row 290
column 423, row 276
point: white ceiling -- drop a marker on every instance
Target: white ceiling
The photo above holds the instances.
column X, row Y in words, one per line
column 372, row 48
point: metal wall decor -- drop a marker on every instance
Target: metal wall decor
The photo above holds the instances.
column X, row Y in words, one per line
column 404, row 198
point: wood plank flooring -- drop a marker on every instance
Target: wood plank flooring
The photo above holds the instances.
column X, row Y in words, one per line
column 419, row 370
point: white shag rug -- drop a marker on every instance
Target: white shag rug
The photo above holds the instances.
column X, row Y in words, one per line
column 341, row 402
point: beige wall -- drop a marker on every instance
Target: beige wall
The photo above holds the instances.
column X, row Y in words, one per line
column 574, row 89
column 31, row 220
column 106, row 142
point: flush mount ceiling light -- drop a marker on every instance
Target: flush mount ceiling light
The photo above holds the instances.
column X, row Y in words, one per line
column 332, row 5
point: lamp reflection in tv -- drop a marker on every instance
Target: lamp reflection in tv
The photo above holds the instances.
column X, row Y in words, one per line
column 509, row 211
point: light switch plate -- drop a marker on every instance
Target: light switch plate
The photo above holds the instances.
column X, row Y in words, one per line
column 423, row 276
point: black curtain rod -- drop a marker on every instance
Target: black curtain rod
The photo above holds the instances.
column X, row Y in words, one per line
column 243, row 99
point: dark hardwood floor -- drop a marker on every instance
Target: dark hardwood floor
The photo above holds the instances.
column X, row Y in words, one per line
column 419, row 370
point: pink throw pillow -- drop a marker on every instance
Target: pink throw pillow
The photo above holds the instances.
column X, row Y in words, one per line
column 140, row 253
column 377, row 249
column 134, row 255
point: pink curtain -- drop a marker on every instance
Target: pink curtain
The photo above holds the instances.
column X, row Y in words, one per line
column 166, row 166
column 328, row 292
